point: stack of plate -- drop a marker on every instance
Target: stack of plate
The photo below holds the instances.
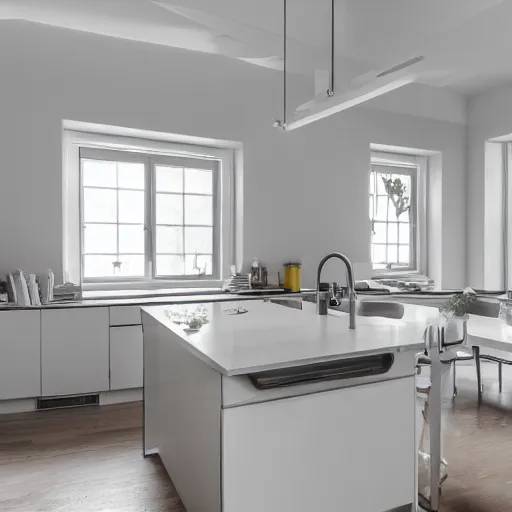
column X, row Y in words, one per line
column 239, row 282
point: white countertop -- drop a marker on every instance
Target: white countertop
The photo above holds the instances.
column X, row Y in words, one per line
column 489, row 332
column 140, row 301
column 271, row 336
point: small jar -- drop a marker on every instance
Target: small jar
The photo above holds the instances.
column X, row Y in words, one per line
column 292, row 273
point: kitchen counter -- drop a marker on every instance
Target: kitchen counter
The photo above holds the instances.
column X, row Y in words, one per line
column 187, row 298
column 270, row 336
column 251, row 446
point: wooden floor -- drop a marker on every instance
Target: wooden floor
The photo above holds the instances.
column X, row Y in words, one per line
column 89, row 460
column 80, row 460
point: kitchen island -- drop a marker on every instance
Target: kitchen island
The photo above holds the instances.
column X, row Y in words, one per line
column 281, row 410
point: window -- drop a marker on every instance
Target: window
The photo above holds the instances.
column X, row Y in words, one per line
column 152, row 212
column 394, row 213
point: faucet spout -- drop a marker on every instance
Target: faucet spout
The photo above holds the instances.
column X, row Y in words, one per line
column 322, row 301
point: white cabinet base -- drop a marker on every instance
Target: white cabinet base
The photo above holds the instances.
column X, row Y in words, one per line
column 20, row 354
column 344, row 450
column 75, row 351
column 106, row 398
column 126, row 355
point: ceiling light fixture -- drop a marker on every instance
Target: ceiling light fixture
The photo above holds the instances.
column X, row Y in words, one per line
column 334, row 99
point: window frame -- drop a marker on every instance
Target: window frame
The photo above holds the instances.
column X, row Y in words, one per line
column 216, row 220
column 416, row 166
column 121, row 148
column 111, row 155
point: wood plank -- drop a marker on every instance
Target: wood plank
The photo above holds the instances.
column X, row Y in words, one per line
column 81, row 460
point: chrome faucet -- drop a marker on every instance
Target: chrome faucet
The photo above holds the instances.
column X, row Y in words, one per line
column 322, row 300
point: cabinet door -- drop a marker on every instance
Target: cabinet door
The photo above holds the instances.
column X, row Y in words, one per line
column 352, row 449
column 126, row 357
column 74, row 347
column 20, row 354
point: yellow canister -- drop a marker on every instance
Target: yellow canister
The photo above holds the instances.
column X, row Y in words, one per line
column 292, row 277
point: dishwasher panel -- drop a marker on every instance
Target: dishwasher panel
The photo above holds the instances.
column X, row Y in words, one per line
column 239, row 390
column 347, row 450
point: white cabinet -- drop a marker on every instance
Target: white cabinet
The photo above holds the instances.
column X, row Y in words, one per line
column 126, row 357
column 75, row 351
column 339, row 445
column 20, row 354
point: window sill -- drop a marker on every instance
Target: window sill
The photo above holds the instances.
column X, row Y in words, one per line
column 150, row 288
column 401, row 274
column 141, row 294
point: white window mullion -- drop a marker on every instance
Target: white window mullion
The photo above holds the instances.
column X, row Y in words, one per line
column 149, row 219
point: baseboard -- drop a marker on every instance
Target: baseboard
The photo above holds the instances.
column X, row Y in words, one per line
column 121, row 396
column 106, row 398
column 14, row 406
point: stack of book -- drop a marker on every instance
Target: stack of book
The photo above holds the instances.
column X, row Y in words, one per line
column 67, row 292
column 24, row 290
column 28, row 290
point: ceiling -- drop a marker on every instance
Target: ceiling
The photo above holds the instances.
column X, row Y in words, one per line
column 465, row 42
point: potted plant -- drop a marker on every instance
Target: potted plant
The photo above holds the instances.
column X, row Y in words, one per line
column 455, row 315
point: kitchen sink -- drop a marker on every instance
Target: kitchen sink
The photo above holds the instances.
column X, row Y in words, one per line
column 385, row 309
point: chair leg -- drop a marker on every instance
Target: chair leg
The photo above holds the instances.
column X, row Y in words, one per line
column 476, row 353
column 454, row 379
column 500, row 375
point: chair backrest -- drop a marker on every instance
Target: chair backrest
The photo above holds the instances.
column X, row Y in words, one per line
column 382, row 309
column 489, row 309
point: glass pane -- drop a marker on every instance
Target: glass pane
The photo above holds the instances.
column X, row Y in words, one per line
column 98, row 173
column 130, row 175
column 381, row 188
column 404, row 233
column 406, row 181
column 371, row 207
column 131, row 266
column 391, row 211
column 169, row 209
column 404, row 254
column 379, row 236
column 392, row 254
column 100, row 205
column 379, row 254
column 199, row 240
column 99, row 266
column 169, row 240
column 198, row 181
column 169, row 179
column 392, row 233
column 404, row 217
column 170, row 265
column 382, row 208
column 198, row 265
column 372, row 183
column 199, row 210
column 131, row 239
column 131, row 206
column 100, row 238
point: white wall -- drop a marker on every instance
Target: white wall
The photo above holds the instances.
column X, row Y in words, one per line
column 305, row 192
column 489, row 116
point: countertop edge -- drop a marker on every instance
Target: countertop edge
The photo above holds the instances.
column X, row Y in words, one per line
column 175, row 329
